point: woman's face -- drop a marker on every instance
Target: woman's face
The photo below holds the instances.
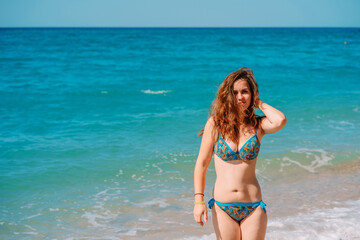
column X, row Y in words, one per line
column 242, row 93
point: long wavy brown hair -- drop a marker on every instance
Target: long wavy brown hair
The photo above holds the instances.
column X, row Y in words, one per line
column 227, row 116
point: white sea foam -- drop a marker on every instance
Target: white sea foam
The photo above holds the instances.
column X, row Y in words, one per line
column 179, row 178
column 203, row 237
column 143, row 219
column 30, row 233
column 108, row 192
column 97, row 220
column 275, row 223
column 155, row 92
column 341, row 125
column 160, row 202
column 137, row 178
column 318, row 158
column 32, row 216
column 340, row 222
column 133, row 231
column 91, row 218
column 30, row 205
column 155, row 166
column 33, row 229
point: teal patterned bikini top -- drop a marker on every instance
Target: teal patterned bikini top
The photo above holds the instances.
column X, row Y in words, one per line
column 248, row 151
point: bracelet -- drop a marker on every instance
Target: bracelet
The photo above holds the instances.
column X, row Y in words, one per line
column 199, row 202
column 198, row 194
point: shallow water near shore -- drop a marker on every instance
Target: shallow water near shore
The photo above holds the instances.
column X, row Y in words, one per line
column 99, row 129
column 322, row 205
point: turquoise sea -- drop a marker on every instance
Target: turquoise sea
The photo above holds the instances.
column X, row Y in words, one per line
column 98, row 129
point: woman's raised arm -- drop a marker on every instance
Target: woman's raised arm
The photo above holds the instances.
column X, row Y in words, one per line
column 274, row 119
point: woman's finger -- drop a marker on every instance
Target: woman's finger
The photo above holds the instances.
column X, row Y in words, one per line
column 198, row 219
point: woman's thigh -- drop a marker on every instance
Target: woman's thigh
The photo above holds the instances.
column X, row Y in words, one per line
column 225, row 227
column 253, row 227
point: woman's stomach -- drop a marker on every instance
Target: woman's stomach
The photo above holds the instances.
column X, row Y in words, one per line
column 236, row 182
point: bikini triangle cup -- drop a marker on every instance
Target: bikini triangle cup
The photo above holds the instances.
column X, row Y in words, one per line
column 249, row 151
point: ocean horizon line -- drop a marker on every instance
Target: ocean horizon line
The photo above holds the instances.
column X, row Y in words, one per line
column 176, row 27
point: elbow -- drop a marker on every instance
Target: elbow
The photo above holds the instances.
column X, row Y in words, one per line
column 201, row 167
column 280, row 122
column 283, row 121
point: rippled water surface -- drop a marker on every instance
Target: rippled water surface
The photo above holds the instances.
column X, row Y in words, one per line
column 99, row 128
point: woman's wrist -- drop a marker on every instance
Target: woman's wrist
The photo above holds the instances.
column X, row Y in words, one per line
column 199, row 198
column 198, row 193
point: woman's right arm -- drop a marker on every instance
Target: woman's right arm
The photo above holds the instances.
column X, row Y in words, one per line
column 202, row 163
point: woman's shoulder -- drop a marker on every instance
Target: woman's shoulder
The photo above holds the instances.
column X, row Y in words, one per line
column 211, row 120
column 210, row 126
column 210, row 123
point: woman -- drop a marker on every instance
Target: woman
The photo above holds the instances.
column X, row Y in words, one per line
column 233, row 132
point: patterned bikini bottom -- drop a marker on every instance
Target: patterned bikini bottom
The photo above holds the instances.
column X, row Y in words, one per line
column 238, row 210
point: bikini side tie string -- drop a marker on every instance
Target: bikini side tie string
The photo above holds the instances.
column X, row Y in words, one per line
column 211, row 203
column 262, row 205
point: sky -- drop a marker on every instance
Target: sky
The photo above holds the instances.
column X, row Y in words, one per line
column 179, row 13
